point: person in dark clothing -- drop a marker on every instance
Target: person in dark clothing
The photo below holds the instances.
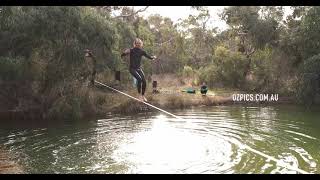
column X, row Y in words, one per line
column 154, row 87
column 204, row 89
column 136, row 54
column 90, row 66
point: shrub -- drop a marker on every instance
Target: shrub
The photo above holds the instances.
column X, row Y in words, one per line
column 308, row 84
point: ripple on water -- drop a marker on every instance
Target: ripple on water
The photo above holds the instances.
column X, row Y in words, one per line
column 207, row 140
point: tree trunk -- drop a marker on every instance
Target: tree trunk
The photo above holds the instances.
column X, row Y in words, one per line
column 248, row 68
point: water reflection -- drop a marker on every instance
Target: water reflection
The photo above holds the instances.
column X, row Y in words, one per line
column 206, row 140
column 167, row 149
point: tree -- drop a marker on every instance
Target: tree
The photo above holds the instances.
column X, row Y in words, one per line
column 308, row 87
column 310, row 26
column 255, row 28
column 46, row 44
column 199, row 38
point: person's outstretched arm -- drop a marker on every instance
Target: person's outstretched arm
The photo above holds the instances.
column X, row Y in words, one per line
column 126, row 52
column 148, row 56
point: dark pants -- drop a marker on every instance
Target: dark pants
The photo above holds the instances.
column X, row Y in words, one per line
column 141, row 81
column 90, row 69
column 204, row 91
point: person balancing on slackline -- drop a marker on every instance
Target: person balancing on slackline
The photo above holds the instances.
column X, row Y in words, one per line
column 136, row 54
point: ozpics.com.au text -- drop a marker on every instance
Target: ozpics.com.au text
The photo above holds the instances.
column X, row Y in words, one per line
column 255, row 97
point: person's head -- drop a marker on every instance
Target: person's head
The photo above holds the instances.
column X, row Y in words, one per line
column 87, row 50
column 204, row 83
column 137, row 43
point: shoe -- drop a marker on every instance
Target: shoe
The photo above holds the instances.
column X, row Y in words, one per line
column 140, row 98
column 144, row 99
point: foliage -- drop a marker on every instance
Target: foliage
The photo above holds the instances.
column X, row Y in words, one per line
column 41, row 48
column 309, row 81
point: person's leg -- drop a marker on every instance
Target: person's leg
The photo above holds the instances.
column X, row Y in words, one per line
column 92, row 77
column 143, row 81
column 136, row 75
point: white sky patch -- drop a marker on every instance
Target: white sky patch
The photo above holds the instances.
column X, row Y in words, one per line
column 175, row 13
column 178, row 13
column 182, row 12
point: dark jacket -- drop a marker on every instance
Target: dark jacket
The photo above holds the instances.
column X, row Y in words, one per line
column 135, row 57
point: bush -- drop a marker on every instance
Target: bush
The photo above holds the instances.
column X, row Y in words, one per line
column 189, row 74
column 263, row 70
column 309, row 81
column 188, row 71
column 227, row 69
column 13, row 69
column 209, row 74
column 43, row 47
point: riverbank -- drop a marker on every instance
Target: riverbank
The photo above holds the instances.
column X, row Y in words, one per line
column 171, row 96
column 7, row 166
column 99, row 101
column 181, row 100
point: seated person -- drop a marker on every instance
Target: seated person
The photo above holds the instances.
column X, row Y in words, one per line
column 204, row 89
column 154, row 87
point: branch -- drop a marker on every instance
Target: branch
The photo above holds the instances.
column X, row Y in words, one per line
column 251, row 49
column 160, row 44
column 205, row 22
column 133, row 13
column 242, row 33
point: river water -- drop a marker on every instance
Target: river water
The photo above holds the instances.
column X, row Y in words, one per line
column 219, row 139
